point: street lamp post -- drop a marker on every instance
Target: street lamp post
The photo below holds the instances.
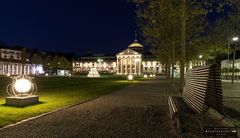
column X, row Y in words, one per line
column 200, row 59
column 228, row 62
column 235, row 40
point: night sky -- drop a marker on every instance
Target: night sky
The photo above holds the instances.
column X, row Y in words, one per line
column 103, row 26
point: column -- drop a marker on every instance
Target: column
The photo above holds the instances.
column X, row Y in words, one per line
column 130, row 65
column 20, row 69
column 121, row 65
column 1, row 65
column 135, row 72
column 117, row 66
column 139, row 67
column 13, row 69
column 126, row 71
column 9, row 69
column 28, row 70
column 24, row 69
column 4, row 69
column 16, row 69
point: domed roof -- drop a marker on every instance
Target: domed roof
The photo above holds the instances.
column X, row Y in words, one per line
column 135, row 44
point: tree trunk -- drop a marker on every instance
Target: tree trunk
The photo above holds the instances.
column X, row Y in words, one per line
column 168, row 70
column 183, row 37
column 173, row 63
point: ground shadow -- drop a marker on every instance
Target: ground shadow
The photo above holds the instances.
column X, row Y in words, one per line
column 232, row 113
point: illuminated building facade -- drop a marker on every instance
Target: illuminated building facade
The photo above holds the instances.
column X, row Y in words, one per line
column 133, row 60
column 11, row 63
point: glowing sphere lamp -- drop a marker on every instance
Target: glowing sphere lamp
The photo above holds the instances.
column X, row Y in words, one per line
column 130, row 77
column 22, row 92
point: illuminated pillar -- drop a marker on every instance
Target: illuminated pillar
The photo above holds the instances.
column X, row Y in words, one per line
column 28, row 70
column 9, row 69
column 25, row 69
column 4, row 69
column 130, row 65
column 21, row 69
column 1, row 69
column 17, row 73
column 121, row 59
column 126, row 66
column 135, row 72
column 13, row 69
column 139, row 67
column 117, row 66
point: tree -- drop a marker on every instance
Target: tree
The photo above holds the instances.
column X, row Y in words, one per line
column 161, row 24
column 158, row 20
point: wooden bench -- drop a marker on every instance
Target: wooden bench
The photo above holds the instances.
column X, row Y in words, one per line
column 203, row 89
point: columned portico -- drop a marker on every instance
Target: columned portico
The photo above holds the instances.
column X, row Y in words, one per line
column 130, row 62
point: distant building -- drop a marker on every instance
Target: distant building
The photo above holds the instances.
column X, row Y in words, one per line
column 11, row 62
column 226, row 69
column 133, row 60
column 56, row 64
column 102, row 62
column 10, row 54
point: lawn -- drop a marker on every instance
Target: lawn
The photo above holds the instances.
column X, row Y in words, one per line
column 58, row 92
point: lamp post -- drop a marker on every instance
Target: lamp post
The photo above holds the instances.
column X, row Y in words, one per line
column 228, row 62
column 235, row 40
column 200, row 58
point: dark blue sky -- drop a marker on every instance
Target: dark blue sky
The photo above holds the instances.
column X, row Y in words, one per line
column 68, row 25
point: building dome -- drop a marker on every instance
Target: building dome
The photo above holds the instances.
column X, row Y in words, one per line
column 135, row 44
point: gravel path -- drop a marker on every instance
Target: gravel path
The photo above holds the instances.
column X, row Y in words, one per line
column 136, row 111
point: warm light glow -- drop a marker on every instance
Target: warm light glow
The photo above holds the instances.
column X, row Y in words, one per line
column 235, row 38
column 130, row 77
column 151, row 75
column 100, row 60
column 46, row 74
column 200, row 56
column 8, row 74
column 154, row 75
column 145, row 76
column 22, row 85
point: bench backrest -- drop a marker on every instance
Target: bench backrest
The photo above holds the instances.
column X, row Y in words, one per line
column 204, row 88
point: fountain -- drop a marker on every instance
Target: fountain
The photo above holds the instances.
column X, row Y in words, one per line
column 93, row 73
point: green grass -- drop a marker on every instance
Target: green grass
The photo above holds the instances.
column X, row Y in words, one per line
column 57, row 92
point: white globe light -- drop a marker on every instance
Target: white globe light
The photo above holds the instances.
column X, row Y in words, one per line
column 145, row 76
column 235, row 38
column 130, row 77
column 22, row 85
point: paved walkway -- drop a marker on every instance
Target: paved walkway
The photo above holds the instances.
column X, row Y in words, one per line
column 231, row 90
column 136, row 111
